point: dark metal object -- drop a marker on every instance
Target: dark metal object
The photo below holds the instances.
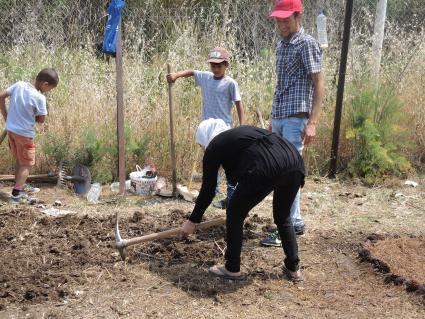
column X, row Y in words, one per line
column 81, row 179
column 341, row 85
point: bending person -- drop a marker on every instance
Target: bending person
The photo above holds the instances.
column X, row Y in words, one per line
column 258, row 162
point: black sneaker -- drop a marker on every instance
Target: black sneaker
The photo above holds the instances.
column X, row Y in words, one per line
column 222, row 204
column 299, row 230
column 272, row 240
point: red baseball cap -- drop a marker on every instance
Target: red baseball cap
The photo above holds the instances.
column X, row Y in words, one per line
column 285, row 8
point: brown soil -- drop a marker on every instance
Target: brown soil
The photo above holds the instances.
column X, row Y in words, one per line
column 405, row 256
column 68, row 267
column 400, row 258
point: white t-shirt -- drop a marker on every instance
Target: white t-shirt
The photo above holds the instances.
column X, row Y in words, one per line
column 25, row 104
column 218, row 96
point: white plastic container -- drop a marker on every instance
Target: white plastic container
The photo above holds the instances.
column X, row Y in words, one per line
column 322, row 35
column 94, row 193
column 143, row 183
column 115, row 186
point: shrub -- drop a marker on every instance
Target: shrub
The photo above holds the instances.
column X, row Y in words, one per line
column 375, row 116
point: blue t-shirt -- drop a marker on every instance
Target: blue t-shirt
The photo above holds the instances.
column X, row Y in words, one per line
column 25, row 104
column 218, row 96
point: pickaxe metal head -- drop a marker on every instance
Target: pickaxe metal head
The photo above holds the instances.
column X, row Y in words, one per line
column 119, row 242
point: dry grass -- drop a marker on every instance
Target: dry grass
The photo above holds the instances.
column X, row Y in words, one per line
column 339, row 217
column 85, row 98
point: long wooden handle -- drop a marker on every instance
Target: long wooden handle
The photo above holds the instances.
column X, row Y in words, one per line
column 260, row 117
column 4, row 178
column 172, row 232
column 189, row 187
column 172, row 145
column 3, row 136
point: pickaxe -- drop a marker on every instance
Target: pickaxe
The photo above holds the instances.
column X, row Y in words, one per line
column 121, row 244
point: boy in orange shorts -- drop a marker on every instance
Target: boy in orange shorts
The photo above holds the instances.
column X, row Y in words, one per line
column 27, row 106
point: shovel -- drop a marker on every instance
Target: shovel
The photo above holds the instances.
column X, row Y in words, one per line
column 121, row 244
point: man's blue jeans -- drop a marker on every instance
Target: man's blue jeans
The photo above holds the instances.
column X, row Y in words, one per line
column 291, row 128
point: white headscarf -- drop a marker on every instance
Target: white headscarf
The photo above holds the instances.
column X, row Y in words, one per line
column 208, row 129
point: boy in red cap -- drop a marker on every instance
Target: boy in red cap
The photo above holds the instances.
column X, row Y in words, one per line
column 299, row 90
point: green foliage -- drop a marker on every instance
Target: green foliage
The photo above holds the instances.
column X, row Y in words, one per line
column 55, row 148
column 98, row 153
column 375, row 116
column 136, row 148
column 98, row 150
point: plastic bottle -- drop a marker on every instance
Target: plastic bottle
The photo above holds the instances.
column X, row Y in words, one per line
column 94, row 193
column 322, row 35
column 160, row 184
column 115, row 186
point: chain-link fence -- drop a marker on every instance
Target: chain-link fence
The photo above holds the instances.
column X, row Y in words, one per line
column 67, row 34
column 149, row 28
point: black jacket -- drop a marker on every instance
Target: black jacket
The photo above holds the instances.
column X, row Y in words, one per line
column 247, row 154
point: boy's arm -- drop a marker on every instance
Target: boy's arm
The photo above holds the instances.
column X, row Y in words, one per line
column 172, row 77
column 241, row 113
column 3, row 96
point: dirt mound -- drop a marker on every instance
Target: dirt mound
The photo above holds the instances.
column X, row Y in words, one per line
column 203, row 248
column 401, row 259
column 43, row 257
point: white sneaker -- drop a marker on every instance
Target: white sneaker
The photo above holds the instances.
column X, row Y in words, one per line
column 30, row 189
column 22, row 198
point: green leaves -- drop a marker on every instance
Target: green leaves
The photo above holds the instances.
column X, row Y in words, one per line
column 374, row 116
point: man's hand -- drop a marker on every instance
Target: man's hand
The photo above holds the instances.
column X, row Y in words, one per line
column 188, row 228
column 309, row 133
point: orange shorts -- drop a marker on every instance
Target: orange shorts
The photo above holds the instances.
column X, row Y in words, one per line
column 22, row 149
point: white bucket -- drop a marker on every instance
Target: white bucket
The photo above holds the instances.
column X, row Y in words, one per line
column 142, row 185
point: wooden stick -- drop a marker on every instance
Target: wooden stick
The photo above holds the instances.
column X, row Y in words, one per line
column 260, row 117
column 189, row 187
column 3, row 136
column 120, row 110
column 172, row 232
column 11, row 178
column 173, row 149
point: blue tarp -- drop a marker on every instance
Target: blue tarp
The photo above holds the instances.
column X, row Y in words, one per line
column 114, row 16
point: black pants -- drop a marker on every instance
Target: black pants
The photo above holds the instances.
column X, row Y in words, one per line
column 247, row 195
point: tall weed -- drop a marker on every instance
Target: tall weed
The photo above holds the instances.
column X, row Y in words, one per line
column 375, row 130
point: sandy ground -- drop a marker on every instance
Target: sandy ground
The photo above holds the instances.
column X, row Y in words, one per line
column 68, row 267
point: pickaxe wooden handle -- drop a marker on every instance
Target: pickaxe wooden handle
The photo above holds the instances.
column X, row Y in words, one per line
column 3, row 136
column 121, row 244
column 52, row 176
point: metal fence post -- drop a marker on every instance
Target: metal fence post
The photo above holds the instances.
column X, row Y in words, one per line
column 341, row 85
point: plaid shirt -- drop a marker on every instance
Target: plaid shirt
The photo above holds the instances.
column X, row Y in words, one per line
column 296, row 59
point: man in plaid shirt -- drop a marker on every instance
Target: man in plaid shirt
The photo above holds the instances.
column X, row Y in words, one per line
column 299, row 90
